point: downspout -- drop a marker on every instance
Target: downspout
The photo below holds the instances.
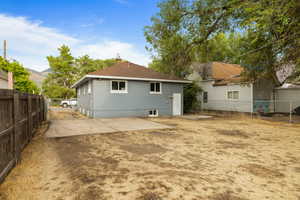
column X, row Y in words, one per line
column 92, row 97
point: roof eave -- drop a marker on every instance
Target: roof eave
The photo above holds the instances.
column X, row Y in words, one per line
column 129, row 78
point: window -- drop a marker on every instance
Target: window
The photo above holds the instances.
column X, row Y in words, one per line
column 205, row 97
column 233, row 95
column 83, row 90
column 118, row 87
column 78, row 91
column 153, row 113
column 155, row 88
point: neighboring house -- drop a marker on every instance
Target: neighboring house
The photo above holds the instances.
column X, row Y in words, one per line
column 3, row 80
column 224, row 90
column 126, row 89
column 287, row 97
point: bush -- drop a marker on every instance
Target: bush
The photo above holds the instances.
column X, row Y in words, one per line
column 190, row 92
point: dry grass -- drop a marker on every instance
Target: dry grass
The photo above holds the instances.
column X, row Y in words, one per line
column 235, row 133
column 216, row 159
column 262, row 171
column 60, row 113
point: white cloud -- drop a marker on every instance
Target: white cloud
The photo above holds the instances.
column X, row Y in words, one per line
column 110, row 49
column 30, row 42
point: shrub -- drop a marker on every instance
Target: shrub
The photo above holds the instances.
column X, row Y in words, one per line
column 190, row 92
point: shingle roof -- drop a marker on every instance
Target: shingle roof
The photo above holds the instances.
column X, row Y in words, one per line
column 222, row 73
column 131, row 70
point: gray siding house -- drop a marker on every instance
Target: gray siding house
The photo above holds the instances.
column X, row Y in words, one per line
column 126, row 89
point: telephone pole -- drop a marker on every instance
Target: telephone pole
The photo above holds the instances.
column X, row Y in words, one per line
column 4, row 49
column 9, row 74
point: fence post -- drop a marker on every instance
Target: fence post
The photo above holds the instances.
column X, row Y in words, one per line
column 45, row 108
column 291, row 110
column 16, row 118
column 38, row 110
column 29, row 116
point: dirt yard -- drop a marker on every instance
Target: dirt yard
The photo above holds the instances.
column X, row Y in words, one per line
column 234, row 158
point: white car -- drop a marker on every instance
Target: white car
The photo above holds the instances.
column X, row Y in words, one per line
column 68, row 103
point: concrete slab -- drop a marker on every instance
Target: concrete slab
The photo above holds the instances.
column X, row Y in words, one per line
column 66, row 128
column 196, row 117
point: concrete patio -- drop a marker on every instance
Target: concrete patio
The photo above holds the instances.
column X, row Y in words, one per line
column 75, row 127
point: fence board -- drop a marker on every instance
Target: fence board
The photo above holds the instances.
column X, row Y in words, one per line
column 20, row 116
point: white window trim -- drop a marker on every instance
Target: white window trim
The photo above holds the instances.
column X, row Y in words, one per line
column 160, row 92
column 152, row 112
column 89, row 87
column 119, row 91
column 83, row 90
column 232, row 99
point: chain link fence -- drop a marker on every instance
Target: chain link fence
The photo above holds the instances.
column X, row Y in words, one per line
column 286, row 109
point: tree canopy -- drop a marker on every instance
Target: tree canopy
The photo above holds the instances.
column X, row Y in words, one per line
column 22, row 82
column 261, row 35
column 66, row 70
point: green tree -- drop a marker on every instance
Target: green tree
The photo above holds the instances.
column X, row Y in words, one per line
column 58, row 83
column 22, row 82
column 66, row 70
column 85, row 64
column 182, row 29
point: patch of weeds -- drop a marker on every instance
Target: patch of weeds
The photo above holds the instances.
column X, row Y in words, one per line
column 143, row 149
column 227, row 196
column 92, row 192
column 228, row 144
column 297, row 169
column 261, row 171
column 3, row 196
column 150, row 196
column 235, row 133
column 164, row 134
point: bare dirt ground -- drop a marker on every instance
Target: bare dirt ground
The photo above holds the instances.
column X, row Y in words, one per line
column 234, row 158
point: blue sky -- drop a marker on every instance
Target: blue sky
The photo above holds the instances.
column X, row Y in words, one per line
column 100, row 28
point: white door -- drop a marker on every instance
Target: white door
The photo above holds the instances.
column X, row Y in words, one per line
column 176, row 104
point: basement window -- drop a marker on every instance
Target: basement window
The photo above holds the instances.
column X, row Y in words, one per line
column 118, row 87
column 153, row 113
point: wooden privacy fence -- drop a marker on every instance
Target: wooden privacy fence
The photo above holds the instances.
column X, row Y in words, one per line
column 20, row 116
